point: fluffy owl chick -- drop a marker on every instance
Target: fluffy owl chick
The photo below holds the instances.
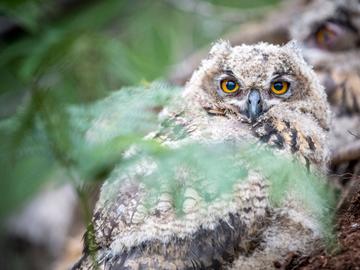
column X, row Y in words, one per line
column 330, row 33
column 263, row 93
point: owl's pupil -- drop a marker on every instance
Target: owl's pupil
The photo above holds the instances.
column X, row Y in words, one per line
column 230, row 85
column 278, row 86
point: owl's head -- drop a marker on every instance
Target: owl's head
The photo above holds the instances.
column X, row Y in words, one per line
column 257, row 81
column 329, row 25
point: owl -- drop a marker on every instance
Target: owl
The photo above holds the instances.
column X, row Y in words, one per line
column 261, row 93
column 330, row 34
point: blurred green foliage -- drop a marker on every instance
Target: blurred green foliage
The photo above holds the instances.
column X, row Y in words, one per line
column 53, row 140
column 106, row 44
column 65, row 60
column 213, row 170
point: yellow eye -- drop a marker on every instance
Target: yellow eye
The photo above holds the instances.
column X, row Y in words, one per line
column 324, row 36
column 229, row 86
column 279, row 88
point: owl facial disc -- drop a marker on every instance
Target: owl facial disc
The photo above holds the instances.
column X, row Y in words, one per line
column 254, row 105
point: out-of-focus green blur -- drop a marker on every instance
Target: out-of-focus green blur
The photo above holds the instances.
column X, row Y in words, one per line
column 87, row 50
column 64, row 52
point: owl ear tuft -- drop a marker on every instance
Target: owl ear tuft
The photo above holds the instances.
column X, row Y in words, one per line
column 220, row 47
column 294, row 47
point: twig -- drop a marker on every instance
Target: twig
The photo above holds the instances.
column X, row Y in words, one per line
column 353, row 134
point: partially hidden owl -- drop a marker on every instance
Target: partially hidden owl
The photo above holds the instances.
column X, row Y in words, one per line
column 263, row 93
column 330, row 34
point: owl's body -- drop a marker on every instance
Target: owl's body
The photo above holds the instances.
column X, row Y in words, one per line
column 235, row 96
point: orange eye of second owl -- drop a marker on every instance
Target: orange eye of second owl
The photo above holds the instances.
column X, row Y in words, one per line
column 279, row 88
column 229, row 86
column 324, row 36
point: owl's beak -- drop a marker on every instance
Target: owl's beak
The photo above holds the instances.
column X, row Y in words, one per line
column 254, row 105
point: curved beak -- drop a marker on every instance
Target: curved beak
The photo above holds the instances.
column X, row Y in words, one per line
column 254, row 105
